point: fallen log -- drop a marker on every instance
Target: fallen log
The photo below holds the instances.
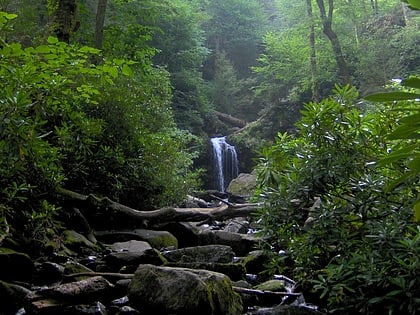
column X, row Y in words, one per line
column 106, row 213
column 236, row 122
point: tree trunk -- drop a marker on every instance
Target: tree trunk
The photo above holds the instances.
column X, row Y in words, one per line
column 100, row 20
column 332, row 36
column 314, row 72
column 236, row 122
column 64, row 19
column 103, row 213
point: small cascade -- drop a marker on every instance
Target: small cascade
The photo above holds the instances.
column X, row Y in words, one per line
column 226, row 163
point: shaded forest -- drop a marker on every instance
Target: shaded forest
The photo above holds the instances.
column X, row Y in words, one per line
column 119, row 98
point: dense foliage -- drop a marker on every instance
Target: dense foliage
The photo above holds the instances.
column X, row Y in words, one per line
column 350, row 235
column 93, row 128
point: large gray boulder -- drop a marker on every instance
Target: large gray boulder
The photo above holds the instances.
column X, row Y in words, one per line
column 180, row 291
column 244, row 185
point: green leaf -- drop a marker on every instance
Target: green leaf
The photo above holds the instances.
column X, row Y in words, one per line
column 52, row 40
column 392, row 96
column 411, row 82
column 126, row 70
column 414, row 3
column 417, row 211
column 43, row 49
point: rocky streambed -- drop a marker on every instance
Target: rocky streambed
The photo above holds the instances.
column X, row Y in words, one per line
column 175, row 268
column 182, row 269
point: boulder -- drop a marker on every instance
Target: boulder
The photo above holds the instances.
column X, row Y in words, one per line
column 126, row 256
column 206, row 254
column 12, row 297
column 78, row 243
column 156, row 239
column 243, row 186
column 241, row 244
column 15, row 266
column 256, row 261
column 272, row 285
column 237, row 226
column 130, row 246
column 180, row 291
column 235, row 271
column 52, row 300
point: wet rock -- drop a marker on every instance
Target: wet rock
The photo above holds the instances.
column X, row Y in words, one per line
column 96, row 308
column 186, row 233
column 163, row 290
column 207, row 254
column 241, row 244
column 15, row 266
column 237, row 226
column 286, row 310
column 12, row 297
column 78, row 243
column 156, row 239
column 72, row 267
column 235, row 271
column 128, row 310
column 52, row 300
column 256, row 261
column 128, row 261
column 49, row 273
column 271, row 285
column 244, row 185
column 130, row 246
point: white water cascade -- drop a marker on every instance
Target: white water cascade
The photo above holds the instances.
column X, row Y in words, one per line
column 226, row 163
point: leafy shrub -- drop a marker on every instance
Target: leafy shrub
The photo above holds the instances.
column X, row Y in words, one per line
column 93, row 128
column 351, row 240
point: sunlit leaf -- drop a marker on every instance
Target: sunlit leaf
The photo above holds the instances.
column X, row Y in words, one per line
column 392, row 96
column 52, row 40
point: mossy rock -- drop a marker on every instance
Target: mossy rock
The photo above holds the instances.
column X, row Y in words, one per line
column 164, row 290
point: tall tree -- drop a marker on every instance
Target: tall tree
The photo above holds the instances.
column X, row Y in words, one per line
column 327, row 19
column 314, row 71
column 64, row 18
column 100, row 20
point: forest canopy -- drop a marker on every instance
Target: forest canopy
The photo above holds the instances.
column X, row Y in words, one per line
column 119, row 98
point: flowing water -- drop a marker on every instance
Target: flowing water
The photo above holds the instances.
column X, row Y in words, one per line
column 226, row 163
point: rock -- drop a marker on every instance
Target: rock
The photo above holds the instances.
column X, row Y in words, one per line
column 241, row 244
column 186, row 233
column 72, row 267
column 78, row 243
column 271, row 285
column 164, row 290
column 237, row 226
column 256, row 261
column 15, row 266
column 130, row 246
column 96, row 308
column 156, row 239
column 128, row 255
column 52, row 300
column 244, row 185
column 12, row 297
column 207, row 254
column 128, row 310
column 286, row 310
column 235, row 271
column 49, row 273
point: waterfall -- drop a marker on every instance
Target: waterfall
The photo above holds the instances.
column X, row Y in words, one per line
column 225, row 162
